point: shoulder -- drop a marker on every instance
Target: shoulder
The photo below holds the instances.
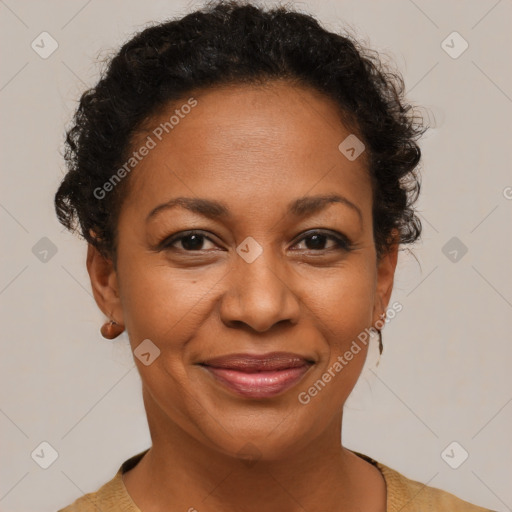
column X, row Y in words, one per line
column 107, row 497
column 110, row 496
column 407, row 495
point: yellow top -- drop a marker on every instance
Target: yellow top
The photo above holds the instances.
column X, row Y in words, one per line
column 403, row 495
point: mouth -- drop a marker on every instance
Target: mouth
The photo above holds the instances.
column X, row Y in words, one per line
column 258, row 376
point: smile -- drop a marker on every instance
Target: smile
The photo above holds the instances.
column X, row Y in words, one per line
column 261, row 376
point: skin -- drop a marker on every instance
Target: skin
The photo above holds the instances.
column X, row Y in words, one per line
column 256, row 149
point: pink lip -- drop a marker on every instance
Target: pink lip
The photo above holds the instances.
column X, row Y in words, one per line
column 258, row 376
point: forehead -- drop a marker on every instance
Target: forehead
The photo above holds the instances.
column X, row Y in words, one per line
column 247, row 144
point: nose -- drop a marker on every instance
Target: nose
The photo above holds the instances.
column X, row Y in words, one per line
column 258, row 295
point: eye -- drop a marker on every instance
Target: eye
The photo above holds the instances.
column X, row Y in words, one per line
column 317, row 240
column 190, row 241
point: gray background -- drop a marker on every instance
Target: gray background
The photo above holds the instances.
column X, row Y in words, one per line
column 445, row 372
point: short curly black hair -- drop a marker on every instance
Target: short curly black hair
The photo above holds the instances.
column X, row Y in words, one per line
column 230, row 43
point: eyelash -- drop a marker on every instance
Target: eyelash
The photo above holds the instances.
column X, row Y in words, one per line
column 341, row 241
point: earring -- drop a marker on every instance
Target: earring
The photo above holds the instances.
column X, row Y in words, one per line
column 379, row 331
column 111, row 330
column 381, row 346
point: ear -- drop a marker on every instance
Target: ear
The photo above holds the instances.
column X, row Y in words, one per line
column 385, row 275
column 104, row 284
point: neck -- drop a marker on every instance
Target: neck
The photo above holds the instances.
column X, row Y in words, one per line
column 181, row 472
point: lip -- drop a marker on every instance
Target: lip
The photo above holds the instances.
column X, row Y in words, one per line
column 258, row 375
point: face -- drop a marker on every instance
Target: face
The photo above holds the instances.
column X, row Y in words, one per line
column 281, row 258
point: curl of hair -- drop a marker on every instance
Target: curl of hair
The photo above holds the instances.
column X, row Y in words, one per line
column 236, row 42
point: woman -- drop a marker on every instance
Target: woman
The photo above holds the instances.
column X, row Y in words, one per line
column 244, row 180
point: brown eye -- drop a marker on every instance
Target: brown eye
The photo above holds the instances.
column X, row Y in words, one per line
column 317, row 241
column 191, row 241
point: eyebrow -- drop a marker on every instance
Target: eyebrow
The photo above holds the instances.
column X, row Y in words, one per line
column 301, row 207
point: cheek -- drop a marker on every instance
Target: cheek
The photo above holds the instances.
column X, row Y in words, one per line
column 343, row 300
column 342, row 306
column 158, row 301
column 164, row 307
